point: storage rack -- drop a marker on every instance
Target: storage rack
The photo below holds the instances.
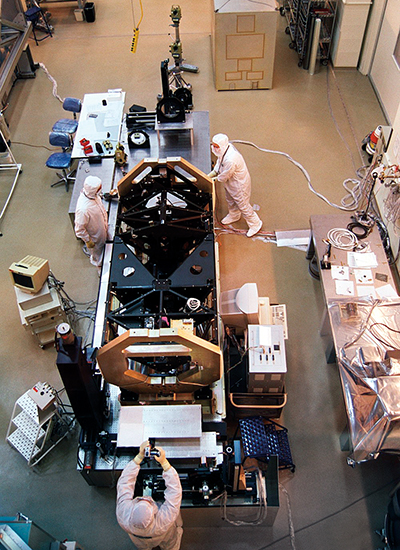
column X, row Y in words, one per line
column 290, row 9
column 32, row 431
column 300, row 16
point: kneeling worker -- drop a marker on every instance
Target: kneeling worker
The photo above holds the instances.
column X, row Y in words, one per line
column 231, row 170
column 147, row 523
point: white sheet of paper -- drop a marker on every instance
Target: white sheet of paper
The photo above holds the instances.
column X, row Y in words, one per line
column 361, row 259
column 386, row 291
column 340, row 272
column 363, row 277
column 344, row 288
column 366, row 291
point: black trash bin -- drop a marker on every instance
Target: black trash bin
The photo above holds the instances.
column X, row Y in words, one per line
column 90, row 14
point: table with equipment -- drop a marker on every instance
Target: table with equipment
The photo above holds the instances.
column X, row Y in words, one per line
column 362, row 322
column 99, row 124
column 194, row 149
column 368, row 275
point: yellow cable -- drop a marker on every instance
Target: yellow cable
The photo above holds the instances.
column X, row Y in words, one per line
column 141, row 14
column 135, row 37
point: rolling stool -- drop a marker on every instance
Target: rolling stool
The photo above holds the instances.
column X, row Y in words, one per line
column 69, row 125
column 39, row 22
column 61, row 160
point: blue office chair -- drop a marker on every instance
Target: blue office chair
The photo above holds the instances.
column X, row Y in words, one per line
column 38, row 18
column 69, row 125
column 61, row 160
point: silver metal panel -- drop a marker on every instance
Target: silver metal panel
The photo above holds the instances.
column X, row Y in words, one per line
column 102, row 298
column 138, row 423
column 206, row 446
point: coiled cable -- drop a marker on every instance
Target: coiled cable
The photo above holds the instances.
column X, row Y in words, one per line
column 342, row 238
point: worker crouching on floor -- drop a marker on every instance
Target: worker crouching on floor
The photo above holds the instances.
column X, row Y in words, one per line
column 231, row 170
column 150, row 524
column 91, row 222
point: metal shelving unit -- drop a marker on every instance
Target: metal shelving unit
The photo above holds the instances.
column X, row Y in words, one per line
column 31, row 430
column 300, row 16
column 290, row 9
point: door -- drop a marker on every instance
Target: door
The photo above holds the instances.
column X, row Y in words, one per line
column 385, row 70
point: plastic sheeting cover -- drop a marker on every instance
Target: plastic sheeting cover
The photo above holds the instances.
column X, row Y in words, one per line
column 366, row 334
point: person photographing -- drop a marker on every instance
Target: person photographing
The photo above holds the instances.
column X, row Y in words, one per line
column 150, row 524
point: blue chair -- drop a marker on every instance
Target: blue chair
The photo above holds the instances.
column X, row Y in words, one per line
column 61, row 160
column 69, row 125
column 39, row 22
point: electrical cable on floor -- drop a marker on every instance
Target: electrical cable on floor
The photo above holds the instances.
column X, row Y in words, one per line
column 290, row 519
column 333, row 514
column 262, row 510
column 347, row 116
column 36, row 146
column 360, row 187
column 355, row 194
column 70, row 306
column 53, row 81
column 266, row 236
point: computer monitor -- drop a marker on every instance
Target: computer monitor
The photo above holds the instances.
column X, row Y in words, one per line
column 30, row 273
column 240, row 307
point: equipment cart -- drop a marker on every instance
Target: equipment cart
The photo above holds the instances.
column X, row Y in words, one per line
column 290, row 9
column 301, row 30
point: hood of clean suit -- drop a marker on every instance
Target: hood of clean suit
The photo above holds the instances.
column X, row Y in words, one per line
column 142, row 513
column 223, row 141
column 91, row 186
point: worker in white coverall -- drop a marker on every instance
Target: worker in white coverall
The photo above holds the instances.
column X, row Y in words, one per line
column 91, row 223
column 231, row 170
column 147, row 523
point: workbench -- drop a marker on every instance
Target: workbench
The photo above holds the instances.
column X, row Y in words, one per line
column 100, row 120
column 195, row 150
column 364, row 333
column 380, row 285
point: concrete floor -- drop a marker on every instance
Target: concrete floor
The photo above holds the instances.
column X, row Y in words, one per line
column 332, row 505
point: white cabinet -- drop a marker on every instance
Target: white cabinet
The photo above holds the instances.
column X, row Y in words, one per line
column 349, row 31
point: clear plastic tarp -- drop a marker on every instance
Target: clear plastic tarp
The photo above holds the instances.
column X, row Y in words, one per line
column 366, row 335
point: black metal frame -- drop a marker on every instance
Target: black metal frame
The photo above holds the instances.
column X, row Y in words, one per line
column 163, row 258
